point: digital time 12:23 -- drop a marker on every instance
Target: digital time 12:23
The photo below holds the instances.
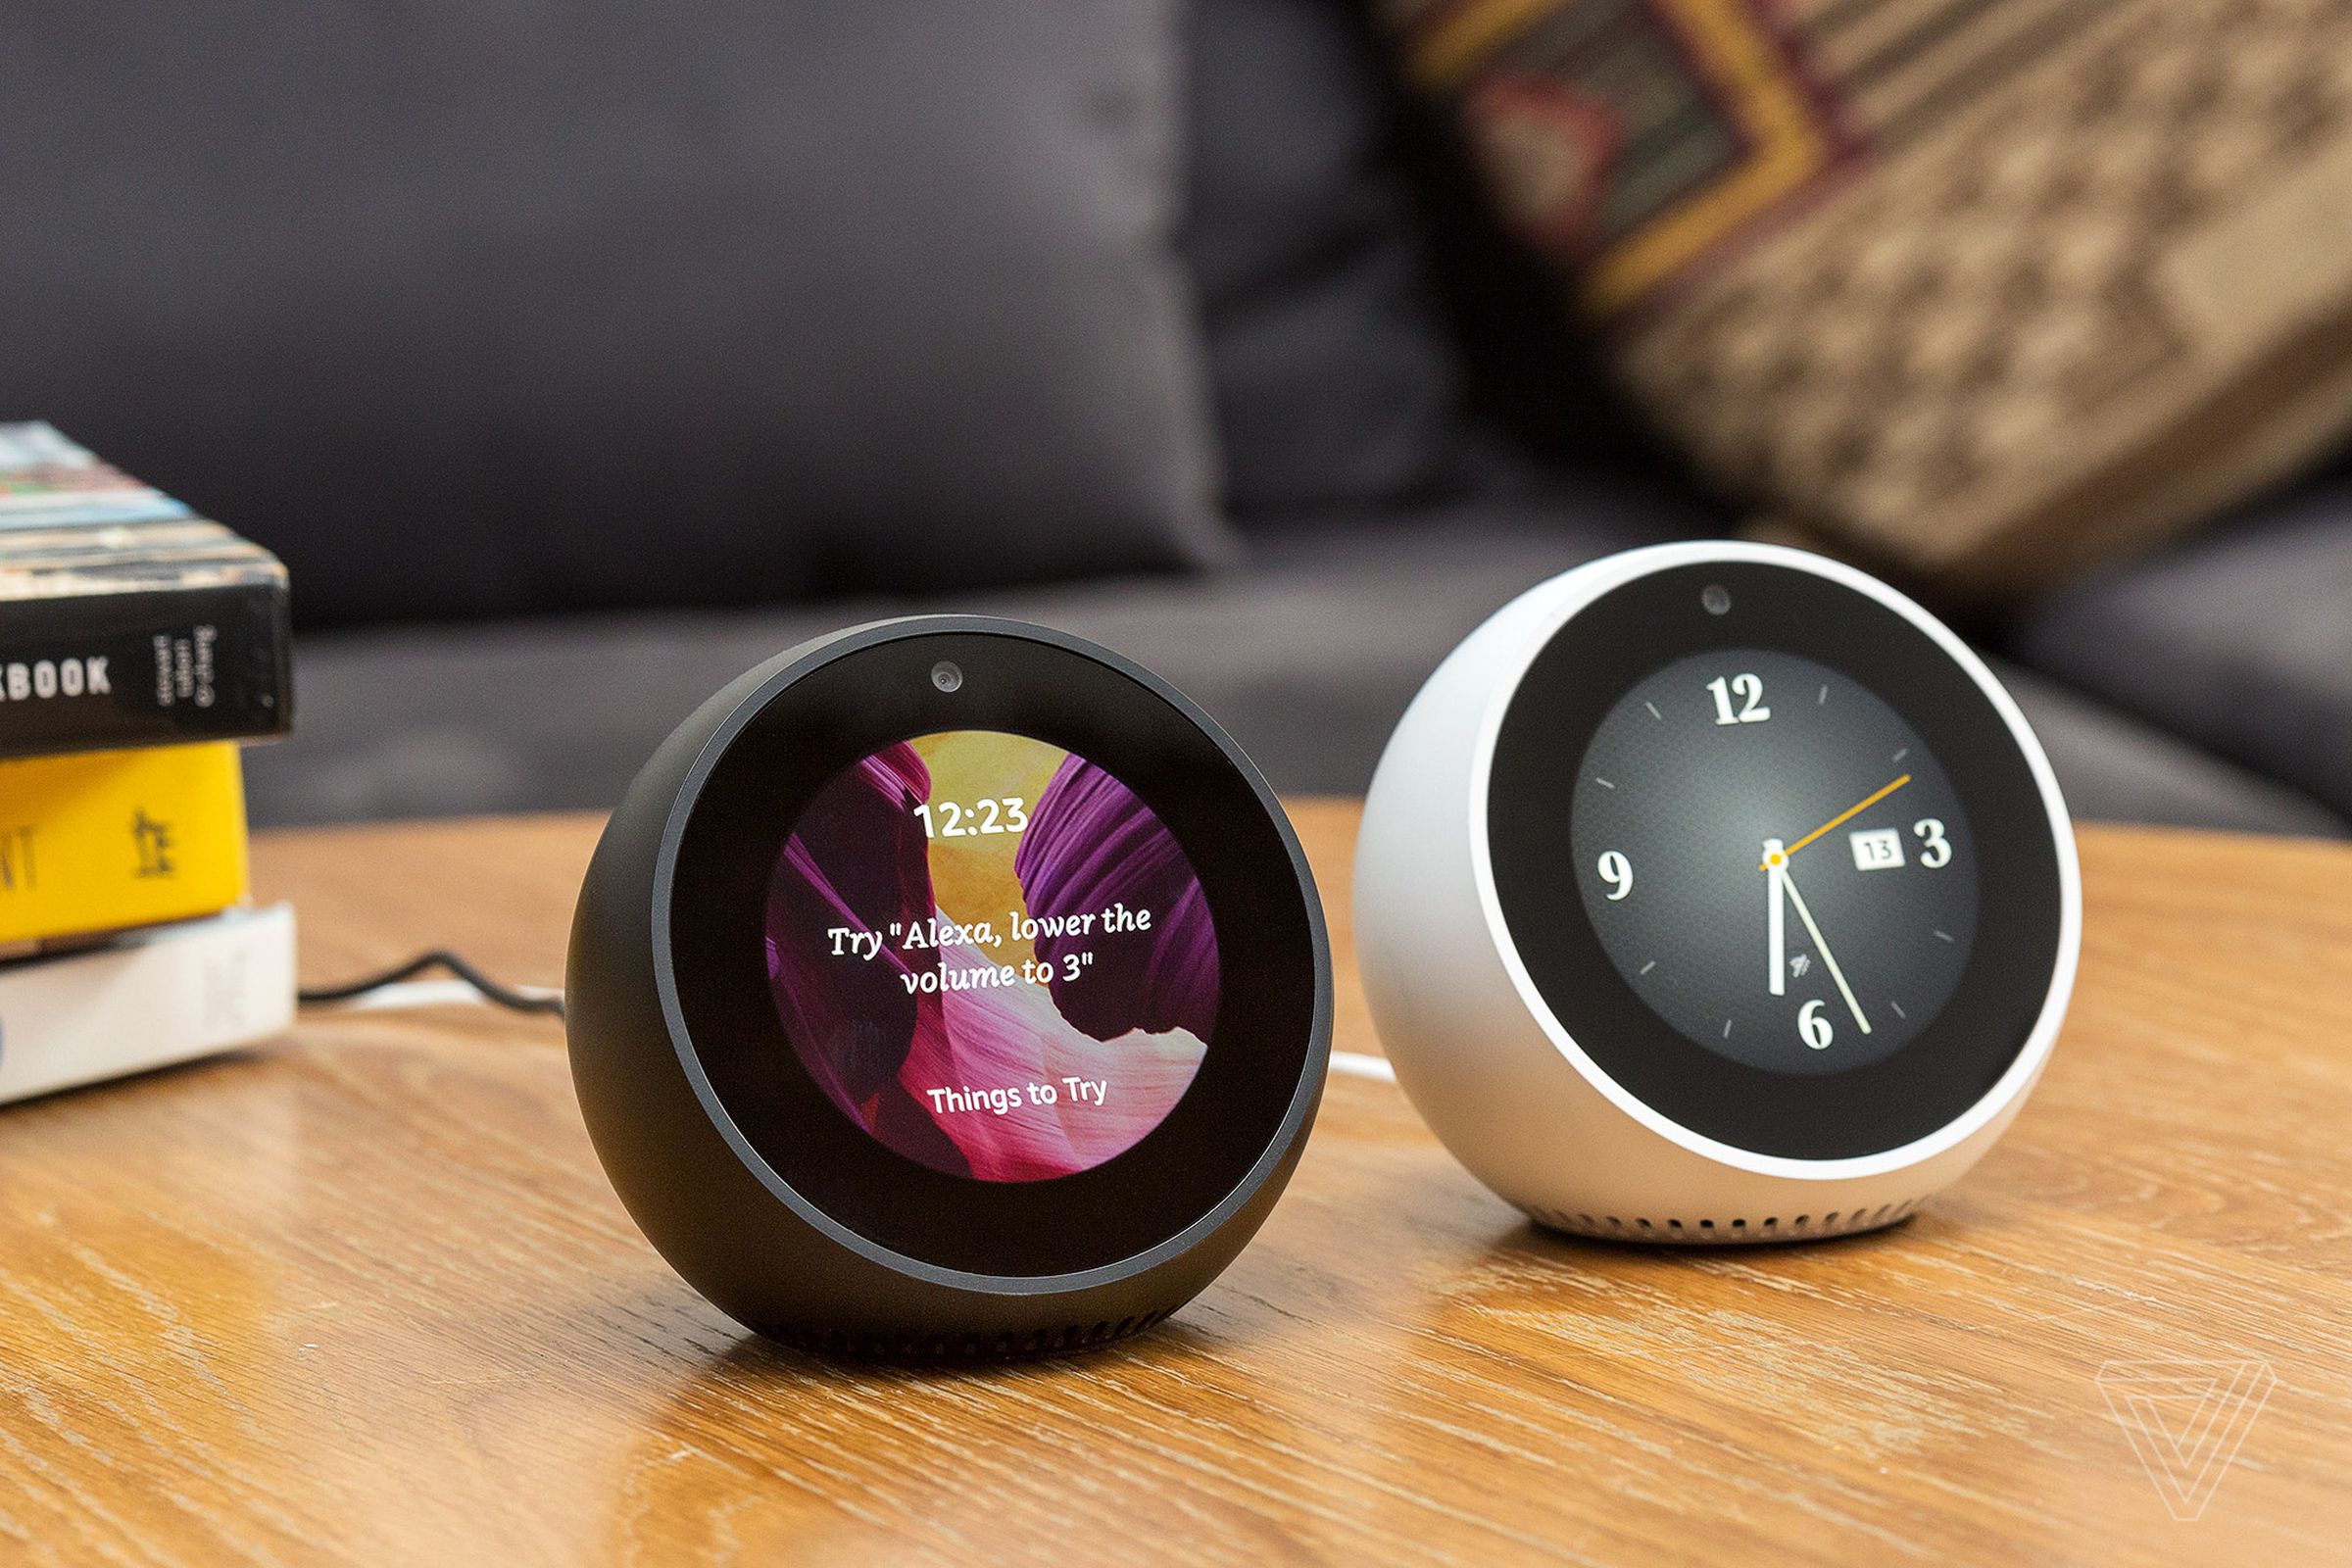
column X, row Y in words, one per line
column 946, row 819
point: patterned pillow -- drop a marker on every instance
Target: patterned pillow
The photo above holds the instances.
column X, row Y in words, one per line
column 1982, row 290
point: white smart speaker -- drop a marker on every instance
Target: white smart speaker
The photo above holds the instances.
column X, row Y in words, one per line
column 1716, row 892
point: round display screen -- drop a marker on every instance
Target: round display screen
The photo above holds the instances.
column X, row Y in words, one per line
column 990, row 955
column 1775, row 858
column 1775, row 861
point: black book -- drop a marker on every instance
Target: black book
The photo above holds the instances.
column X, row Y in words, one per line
column 124, row 619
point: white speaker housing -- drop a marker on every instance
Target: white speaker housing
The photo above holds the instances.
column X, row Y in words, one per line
column 1486, row 1061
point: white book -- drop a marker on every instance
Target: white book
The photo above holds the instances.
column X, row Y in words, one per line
column 150, row 998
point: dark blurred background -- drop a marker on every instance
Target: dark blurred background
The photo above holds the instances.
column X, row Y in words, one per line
column 577, row 356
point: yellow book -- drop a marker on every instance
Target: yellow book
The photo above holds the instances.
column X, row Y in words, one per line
column 109, row 838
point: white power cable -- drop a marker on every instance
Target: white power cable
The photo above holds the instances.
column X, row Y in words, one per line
column 1357, row 1064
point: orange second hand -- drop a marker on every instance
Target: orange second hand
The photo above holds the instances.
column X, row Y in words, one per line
column 1851, row 811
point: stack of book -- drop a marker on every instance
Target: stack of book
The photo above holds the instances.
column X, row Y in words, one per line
column 139, row 647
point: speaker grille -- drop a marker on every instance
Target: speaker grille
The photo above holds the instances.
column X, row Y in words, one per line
column 1735, row 1230
column 922, row 1349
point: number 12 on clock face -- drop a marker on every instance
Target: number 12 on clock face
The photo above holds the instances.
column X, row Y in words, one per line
column 1748, row 690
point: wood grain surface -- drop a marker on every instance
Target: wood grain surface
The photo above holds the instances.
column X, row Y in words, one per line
column 363, row 1296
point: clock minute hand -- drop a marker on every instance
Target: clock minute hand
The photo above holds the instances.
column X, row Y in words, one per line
column 1828, row 958
column 1846, row 815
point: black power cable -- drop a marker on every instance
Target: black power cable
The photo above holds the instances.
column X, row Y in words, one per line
column 504, row 996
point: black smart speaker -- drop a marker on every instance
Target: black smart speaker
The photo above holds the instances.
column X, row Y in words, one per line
column 948, row 988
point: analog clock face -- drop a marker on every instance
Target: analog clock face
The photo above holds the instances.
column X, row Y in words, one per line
column 1774, row 861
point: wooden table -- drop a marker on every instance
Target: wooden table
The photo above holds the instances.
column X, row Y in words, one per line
column 363, row 1296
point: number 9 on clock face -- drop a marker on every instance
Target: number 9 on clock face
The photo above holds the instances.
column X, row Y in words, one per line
column 1774, row 861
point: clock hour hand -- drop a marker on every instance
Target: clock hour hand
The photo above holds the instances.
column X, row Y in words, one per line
column 1775, row 919
column 1828, row 959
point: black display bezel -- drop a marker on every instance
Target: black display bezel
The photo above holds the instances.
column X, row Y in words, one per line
column 1570, row 687
column 870, row 692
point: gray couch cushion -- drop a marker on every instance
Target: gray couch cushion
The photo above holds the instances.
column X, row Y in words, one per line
column 1336, row 384
column 1308, row 655
column 2241, row 641
column 473, row 308
column 2114, row 769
